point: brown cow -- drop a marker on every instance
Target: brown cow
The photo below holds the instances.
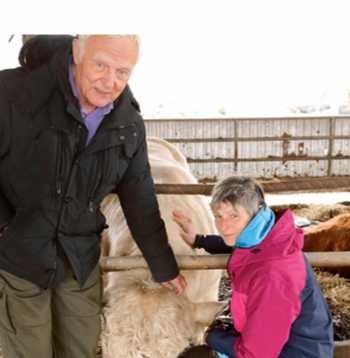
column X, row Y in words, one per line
column 333, row 235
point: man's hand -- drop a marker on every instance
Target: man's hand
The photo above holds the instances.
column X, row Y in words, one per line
column 178, row 284
column 186, row 228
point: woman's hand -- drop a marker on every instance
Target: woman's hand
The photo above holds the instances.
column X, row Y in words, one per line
column 186, row 228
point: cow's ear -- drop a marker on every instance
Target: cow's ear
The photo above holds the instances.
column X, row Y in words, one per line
column 205, row 312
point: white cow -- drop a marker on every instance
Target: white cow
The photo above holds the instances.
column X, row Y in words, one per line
column 142, row 318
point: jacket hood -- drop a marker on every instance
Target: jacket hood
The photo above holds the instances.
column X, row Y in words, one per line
column 41, row 48
column 257, row 229
column 33, row 89
column 284, row 240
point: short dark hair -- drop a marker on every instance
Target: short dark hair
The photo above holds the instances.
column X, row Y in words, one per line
column 237, row 190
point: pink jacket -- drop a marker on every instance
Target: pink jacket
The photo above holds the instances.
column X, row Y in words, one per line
column 267, row 284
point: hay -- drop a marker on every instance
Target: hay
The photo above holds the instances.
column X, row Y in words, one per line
column 336, row 291
column 318, row 212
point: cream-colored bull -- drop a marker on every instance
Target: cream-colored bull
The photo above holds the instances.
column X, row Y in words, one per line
column 142, row 318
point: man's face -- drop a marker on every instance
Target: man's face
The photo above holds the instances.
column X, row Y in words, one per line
column 104, row 71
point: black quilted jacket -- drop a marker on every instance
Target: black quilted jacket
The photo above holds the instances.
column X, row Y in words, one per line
column 51, row 185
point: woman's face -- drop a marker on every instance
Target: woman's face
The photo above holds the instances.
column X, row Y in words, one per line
column 230, row 222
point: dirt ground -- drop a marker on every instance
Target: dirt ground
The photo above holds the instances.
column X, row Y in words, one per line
column 335, row 289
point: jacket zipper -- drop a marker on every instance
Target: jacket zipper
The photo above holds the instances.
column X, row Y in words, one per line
column 77, row 139
column 228, row 273
column 91, row 205
column 228, row 261
column 99, row 170
column 59, row 165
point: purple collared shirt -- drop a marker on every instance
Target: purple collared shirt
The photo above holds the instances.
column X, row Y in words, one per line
column 93, row 119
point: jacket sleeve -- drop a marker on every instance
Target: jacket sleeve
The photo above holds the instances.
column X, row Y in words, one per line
column 137, row 196
column 6, row 211
column 222, row 341
column 213, row 244
column 273, row 305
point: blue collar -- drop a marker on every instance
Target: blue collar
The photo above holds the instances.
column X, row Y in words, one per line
column 257, row 229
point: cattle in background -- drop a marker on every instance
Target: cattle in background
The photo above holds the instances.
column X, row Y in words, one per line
column 142, row 318
column 333, row 235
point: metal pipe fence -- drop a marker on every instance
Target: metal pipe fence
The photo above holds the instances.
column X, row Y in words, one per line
column 219, row 262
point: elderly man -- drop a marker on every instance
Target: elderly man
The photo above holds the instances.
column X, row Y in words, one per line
column 70, row 131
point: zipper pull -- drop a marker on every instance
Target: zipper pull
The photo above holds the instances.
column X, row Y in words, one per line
column 77, row 139
column 59, row 186
column 91, row 205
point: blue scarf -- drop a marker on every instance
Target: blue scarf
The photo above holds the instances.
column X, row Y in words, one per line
column 257, row 229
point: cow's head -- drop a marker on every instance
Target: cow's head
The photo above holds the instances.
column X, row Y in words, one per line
column 145, row 320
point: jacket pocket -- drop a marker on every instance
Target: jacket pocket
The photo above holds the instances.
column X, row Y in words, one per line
column 130, row 147
column 5, row 321
column 128, row 137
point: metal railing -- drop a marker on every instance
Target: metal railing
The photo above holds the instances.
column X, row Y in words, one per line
column 219, row 262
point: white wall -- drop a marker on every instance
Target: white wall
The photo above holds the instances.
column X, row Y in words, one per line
column 250, row 58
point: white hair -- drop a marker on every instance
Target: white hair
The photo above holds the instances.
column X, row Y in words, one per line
column 82, row 41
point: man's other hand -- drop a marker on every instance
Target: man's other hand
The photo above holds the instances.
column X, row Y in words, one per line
column 178, row 285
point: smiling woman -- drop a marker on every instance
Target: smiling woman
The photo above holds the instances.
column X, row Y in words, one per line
column 277, row 306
